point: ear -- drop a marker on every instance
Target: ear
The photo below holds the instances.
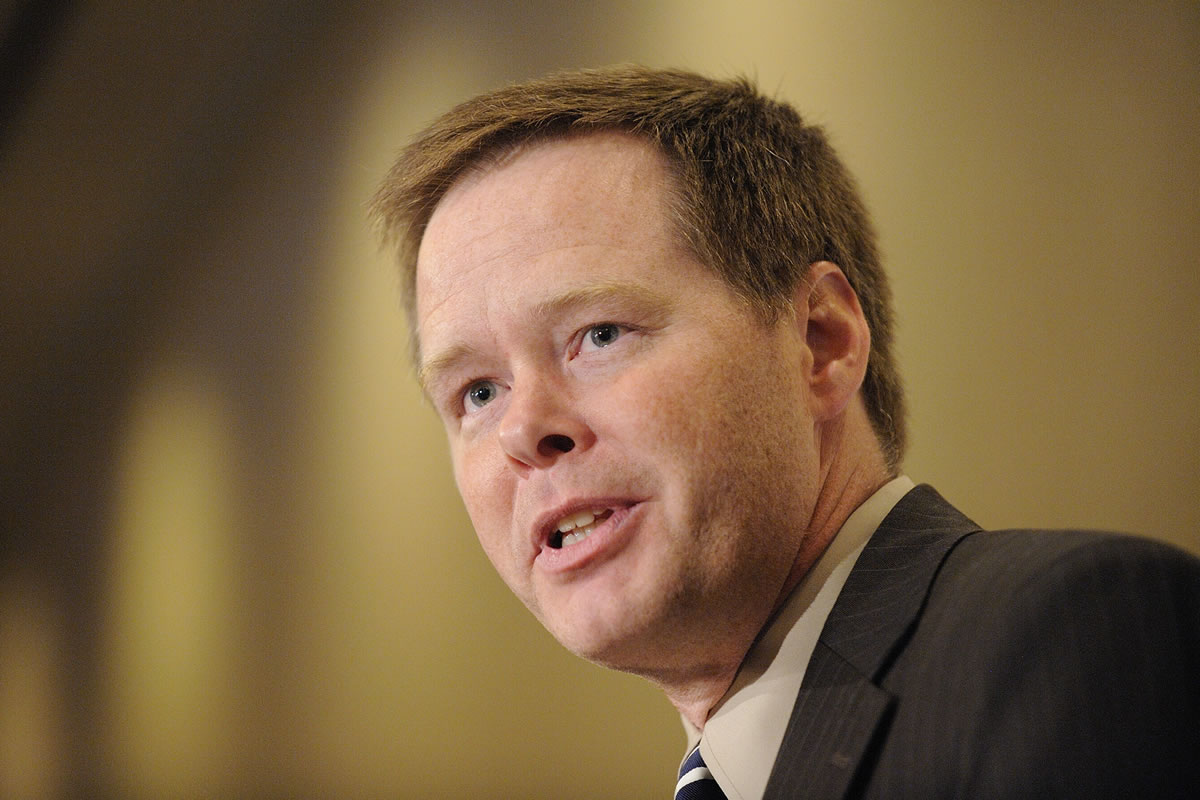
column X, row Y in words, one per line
column 837, row 336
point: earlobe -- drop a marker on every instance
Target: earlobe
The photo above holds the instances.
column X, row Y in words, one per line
column 837, row 336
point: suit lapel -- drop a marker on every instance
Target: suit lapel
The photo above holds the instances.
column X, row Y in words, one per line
column 840, row 709
column 835, row 718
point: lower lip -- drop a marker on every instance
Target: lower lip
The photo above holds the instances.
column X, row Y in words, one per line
column 602, row 543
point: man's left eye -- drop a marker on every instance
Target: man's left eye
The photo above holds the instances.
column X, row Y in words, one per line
column 604, row 335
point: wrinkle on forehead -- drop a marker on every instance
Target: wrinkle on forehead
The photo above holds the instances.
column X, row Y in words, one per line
column 559, row 181
column 552, row 191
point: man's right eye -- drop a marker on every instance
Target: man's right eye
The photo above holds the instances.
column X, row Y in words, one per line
column 479, row 394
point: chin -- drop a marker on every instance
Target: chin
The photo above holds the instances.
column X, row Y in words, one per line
column 601, row 647
column 623, row 646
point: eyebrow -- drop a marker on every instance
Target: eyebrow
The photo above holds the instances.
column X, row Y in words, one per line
column 633, row 297
column 442, row 363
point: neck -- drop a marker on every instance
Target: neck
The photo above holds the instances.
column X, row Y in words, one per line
column 696, row 700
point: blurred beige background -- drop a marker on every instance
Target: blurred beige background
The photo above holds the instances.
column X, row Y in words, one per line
column 233, row 562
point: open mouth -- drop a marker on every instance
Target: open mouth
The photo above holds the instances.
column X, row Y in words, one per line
column 574, row 528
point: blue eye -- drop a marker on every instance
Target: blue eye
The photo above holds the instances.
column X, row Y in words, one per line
column 480, row 393
column 604, row 335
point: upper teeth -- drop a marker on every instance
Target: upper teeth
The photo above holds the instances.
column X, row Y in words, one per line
column 579, row 519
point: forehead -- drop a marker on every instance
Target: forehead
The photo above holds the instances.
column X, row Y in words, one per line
column 556, row 179
column 597, row 189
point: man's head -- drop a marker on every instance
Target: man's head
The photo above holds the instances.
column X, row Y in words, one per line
column 652, row 451
column 757, row 194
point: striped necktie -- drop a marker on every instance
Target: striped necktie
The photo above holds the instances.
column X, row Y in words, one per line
column 696, row 782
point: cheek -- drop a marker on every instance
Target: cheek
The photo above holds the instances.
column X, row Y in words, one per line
column 484, row 491
column 689, row 406
column 488, row 492
column 727, row 421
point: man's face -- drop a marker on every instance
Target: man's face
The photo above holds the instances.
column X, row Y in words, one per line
column 636, row 451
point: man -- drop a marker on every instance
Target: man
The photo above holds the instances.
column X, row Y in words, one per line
column 649, row 310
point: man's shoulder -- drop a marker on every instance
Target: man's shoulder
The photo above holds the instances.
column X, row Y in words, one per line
column 1021, row 564
column 1015, row 663
column 1012, row 569
column 1070, row 652
column 1066, row 589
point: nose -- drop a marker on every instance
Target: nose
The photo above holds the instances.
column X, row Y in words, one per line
column 540, row 426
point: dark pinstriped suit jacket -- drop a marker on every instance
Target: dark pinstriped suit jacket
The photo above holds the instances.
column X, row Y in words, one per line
column 1015, row 664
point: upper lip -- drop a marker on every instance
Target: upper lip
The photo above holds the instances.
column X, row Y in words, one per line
column 546, row 524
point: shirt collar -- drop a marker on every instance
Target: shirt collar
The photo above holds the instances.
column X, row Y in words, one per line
column 743, row 735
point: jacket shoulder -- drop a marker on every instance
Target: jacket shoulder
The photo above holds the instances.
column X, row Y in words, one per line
column 1052, row 663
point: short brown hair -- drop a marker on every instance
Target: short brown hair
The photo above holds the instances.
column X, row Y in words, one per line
column 761, row 194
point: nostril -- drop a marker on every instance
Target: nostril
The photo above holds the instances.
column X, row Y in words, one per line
column 556, row 443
